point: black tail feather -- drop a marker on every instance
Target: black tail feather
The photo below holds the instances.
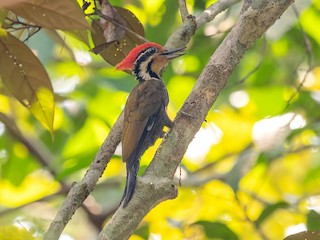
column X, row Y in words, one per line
column 151, row 133
column 132, row 171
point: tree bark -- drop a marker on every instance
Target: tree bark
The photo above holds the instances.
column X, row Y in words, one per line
column 156, row 184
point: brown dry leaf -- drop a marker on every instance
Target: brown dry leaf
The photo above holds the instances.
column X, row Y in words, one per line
column 132, row 21
column 114, row 52
column 25, row 78
column 6, row 3
column 306, row 235
column 58, row 14
column 110, row 31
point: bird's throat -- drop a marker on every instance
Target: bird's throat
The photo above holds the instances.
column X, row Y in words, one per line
column 144, row 66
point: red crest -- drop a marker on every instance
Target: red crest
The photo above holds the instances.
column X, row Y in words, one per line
column 127, row 63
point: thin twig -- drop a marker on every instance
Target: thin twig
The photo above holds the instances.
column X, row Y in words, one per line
column 308, row 50
column 183, row 9
column 248, row 219
column 222, row 158
column 159, row 169
column 262, row 54
column 80, row 191
column 77, row 195
column 43, row 156
column 16, row 25
column 156, row 184
column 213, row 10
column 43, row 199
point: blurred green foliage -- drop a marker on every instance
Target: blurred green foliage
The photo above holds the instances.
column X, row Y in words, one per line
column 252, row 171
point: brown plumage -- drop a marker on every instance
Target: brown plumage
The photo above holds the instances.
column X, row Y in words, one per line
column 145, row 111
column 145, row 107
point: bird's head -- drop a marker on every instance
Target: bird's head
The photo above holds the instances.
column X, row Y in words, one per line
column 148, row 60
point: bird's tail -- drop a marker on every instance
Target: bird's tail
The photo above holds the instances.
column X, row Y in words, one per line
column 133, row 165
column 133, row 161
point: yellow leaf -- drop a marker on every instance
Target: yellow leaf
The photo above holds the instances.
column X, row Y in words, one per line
column 33, row 187
column 25, row 78
column 17, row 233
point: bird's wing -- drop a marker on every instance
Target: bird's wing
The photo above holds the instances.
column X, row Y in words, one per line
column 143, row 102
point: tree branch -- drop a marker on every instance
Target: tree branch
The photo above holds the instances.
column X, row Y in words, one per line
column 183, row 9
column 308, row 50
column 80, row 191
column 211, row 12
column 76, row 196
column 182, row 36
column 156, row 184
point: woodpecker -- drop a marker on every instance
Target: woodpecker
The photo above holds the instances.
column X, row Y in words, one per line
column 145, row 111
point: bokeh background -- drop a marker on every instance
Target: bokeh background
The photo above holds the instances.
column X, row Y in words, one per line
column 252, row 171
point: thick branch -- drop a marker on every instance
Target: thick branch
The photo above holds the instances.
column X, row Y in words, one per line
column 156, row 184
column 80, row 191
column 76, row 196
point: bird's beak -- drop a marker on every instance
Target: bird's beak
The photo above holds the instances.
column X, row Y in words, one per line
column 171, row 54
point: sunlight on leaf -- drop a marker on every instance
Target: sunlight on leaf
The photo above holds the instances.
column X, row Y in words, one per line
column 217, row 230
column 33, row 187
column 308, row 18
column 154, row 10
column 202, row 142
column 81, row 35
column 186, row 64
column 26, row 79
column 43, row 108
column 3, row 15
column 178, row 94
column 95, row 130
column 11, row 232
column 231, row 122
column 311, row 80
column 4, row 104
column 269, row 210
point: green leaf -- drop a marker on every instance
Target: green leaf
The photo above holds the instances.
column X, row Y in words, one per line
column 17, row 163
column 59, row 14
column 217, row 230
column 269, row 210
column 81, row 35
column 268, row 100
column 313, row 220
column 308, row 18
column 132, row 21
column 243, row 165
column 306, row 235
column 14, row 232
column 25, row 78
column 143, row 231
column 3, row 15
